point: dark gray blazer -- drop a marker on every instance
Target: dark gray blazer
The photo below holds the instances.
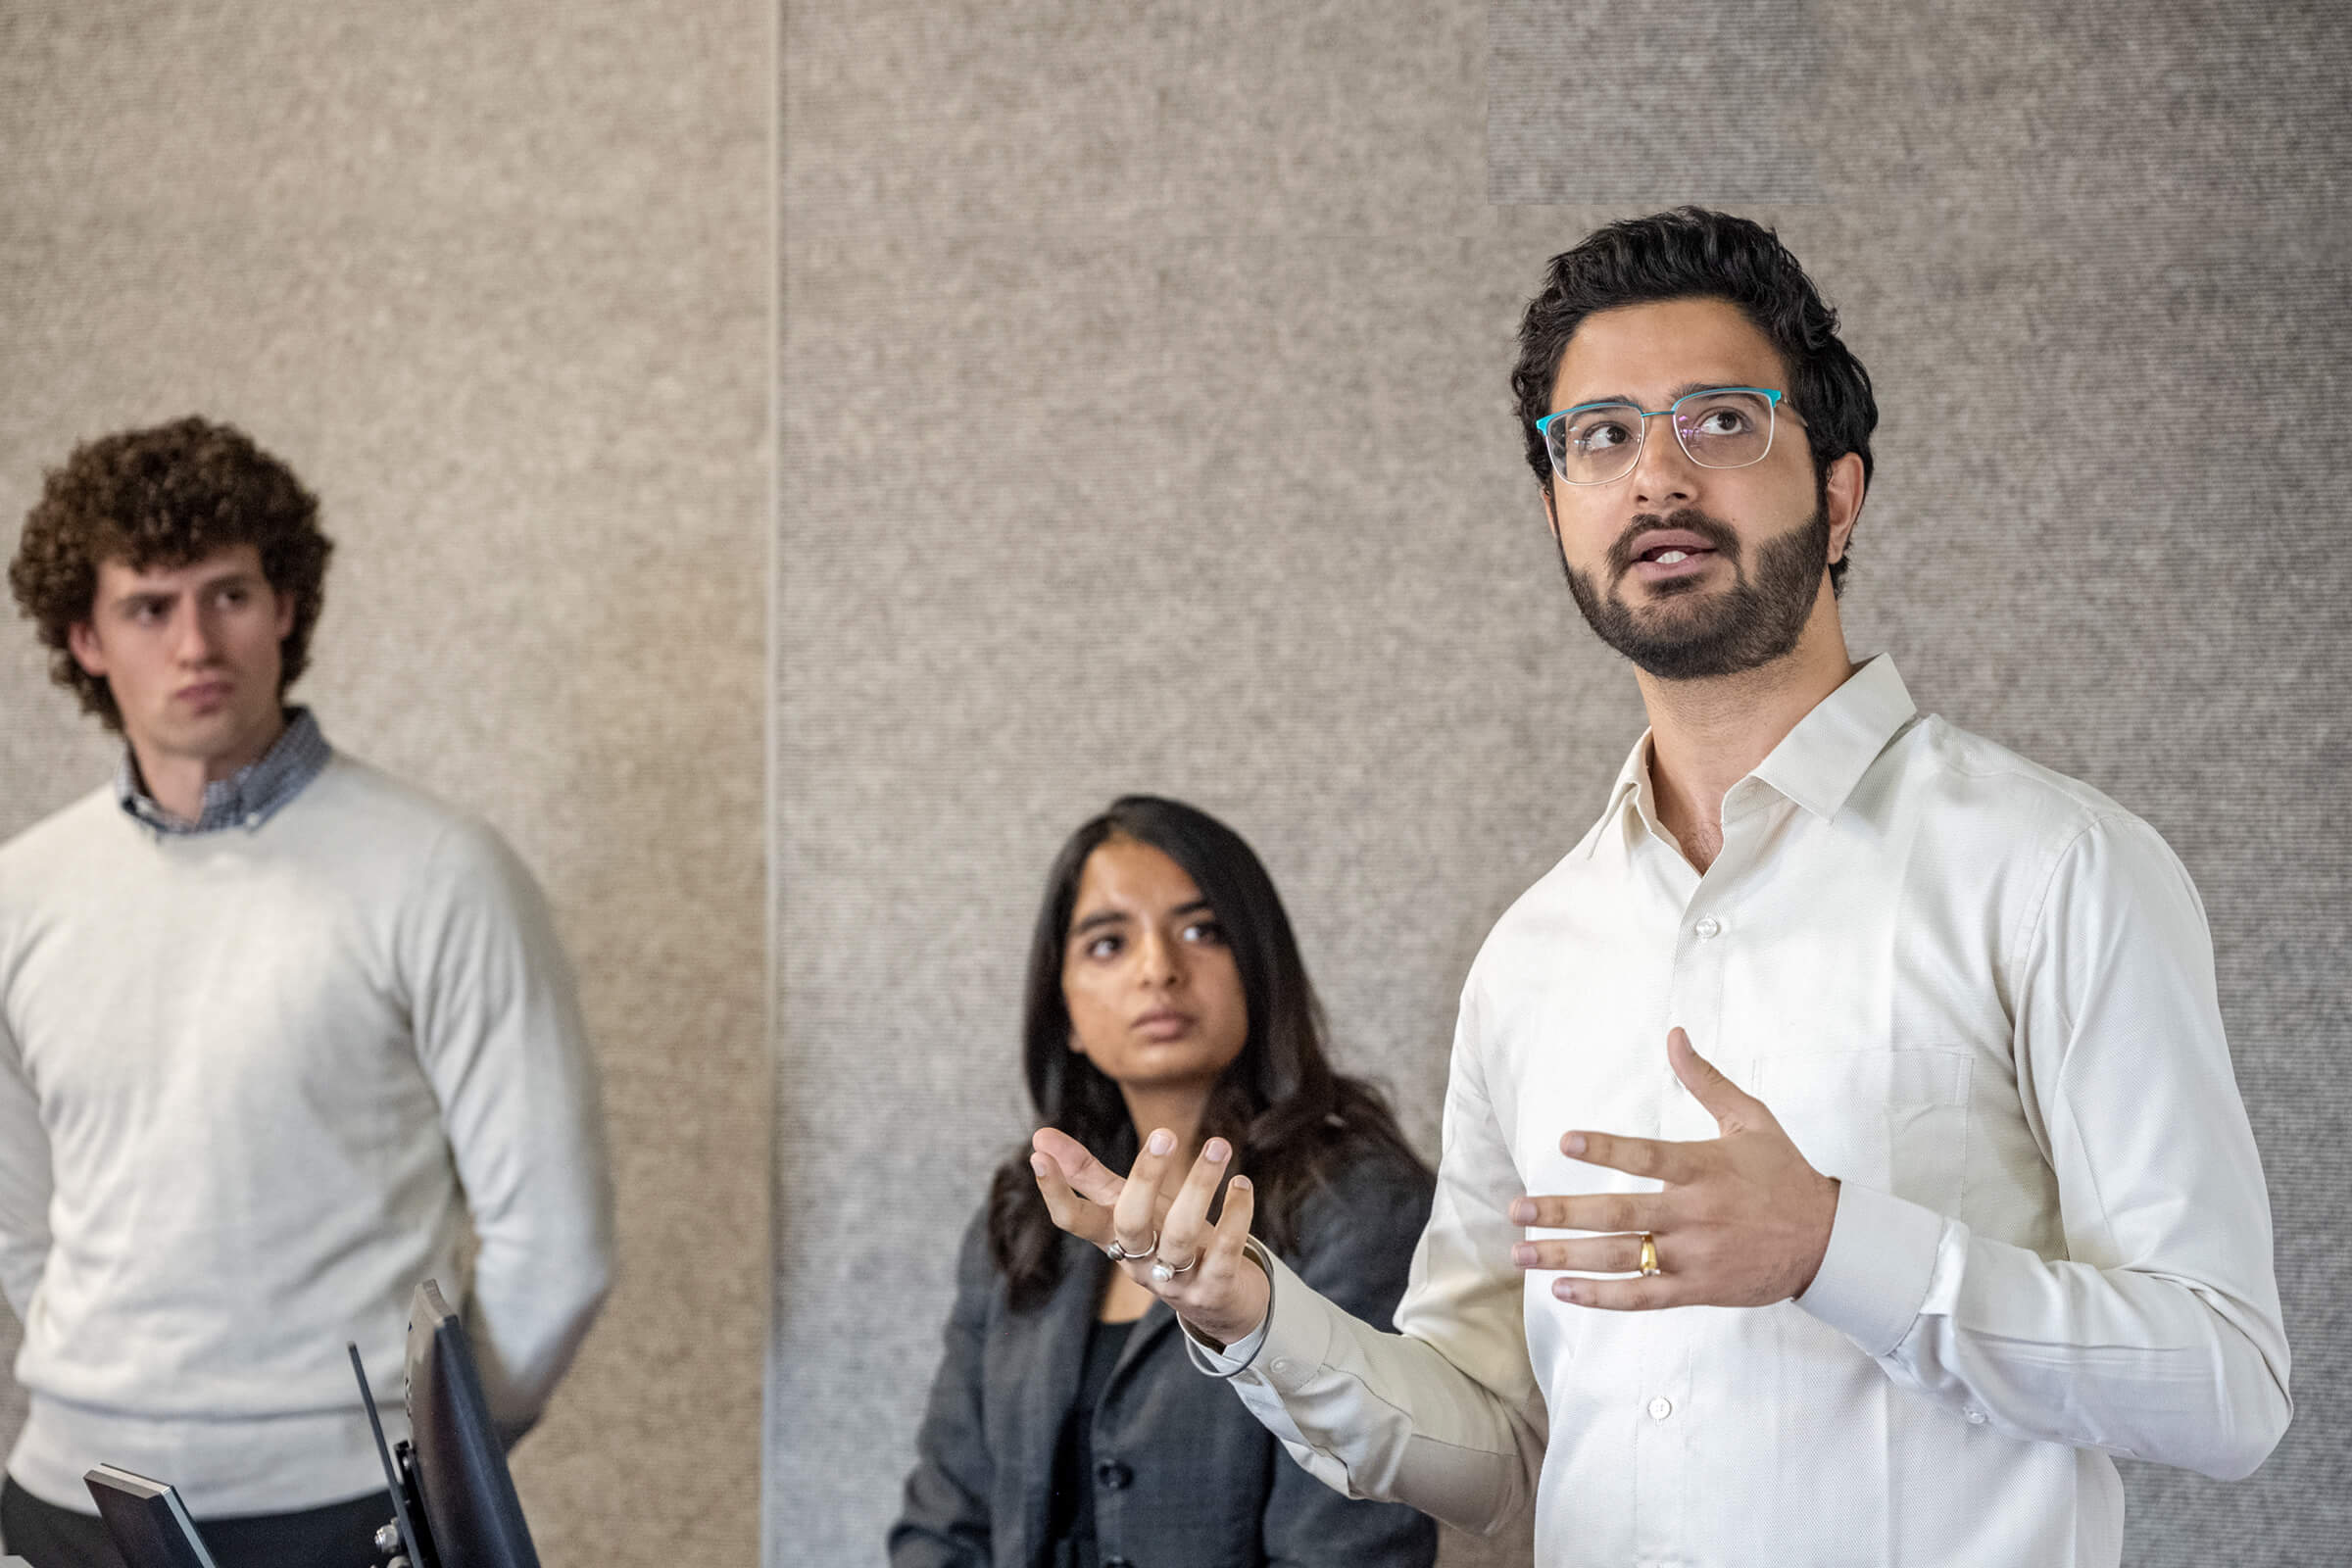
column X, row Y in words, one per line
column 1186, row 1476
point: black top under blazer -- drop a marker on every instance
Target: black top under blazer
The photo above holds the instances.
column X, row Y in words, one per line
column 1185, row 1475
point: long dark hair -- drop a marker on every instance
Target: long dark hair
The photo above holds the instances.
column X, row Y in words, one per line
column 1292, row 1120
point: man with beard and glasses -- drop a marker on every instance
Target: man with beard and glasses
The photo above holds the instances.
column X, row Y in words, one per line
column 1841, row 1155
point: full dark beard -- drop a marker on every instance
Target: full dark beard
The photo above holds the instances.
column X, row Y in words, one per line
column 1751, row 624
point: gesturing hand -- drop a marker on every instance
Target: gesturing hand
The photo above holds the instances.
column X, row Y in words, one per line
column 1161, row 1231
column 1743, row 1221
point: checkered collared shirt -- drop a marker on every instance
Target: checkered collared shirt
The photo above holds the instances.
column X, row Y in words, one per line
column 247, row 797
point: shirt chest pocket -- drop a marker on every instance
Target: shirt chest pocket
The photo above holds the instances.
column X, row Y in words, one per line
column 1892, row 1120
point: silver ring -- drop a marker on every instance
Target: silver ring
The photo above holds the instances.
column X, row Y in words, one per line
column 1120, row 1255
column 1165, row 1272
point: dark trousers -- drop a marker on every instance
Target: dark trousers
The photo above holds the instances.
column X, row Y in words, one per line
column 341, row 1535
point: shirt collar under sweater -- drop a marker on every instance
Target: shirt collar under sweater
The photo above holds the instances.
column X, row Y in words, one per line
column 247, row 797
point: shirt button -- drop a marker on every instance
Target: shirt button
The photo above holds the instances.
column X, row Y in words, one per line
column 1708, row 927
column 1660, row 1408
column 1113, row 1475
column 1281, row 1363
column 254, row 819
column 1976, row 1419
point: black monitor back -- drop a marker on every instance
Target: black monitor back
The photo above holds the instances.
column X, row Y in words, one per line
column 469, row 1505
column 145, row 1520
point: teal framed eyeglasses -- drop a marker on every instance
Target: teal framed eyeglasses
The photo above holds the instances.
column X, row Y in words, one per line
column 1717, row 427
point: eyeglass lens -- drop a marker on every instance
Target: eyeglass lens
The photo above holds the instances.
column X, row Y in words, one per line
column 1717, row 429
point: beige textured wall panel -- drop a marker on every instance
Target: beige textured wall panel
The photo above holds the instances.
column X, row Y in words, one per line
column 1050, row 115
column 497, row 285
column 1134, row 578
column 1063, row 383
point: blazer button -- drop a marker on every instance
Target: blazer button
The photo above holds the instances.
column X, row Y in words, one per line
column 1112, row 1476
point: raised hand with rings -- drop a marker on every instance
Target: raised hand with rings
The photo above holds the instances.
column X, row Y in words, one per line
column 1162, row 1239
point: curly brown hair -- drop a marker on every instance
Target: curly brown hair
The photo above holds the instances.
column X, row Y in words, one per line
column 166, row 496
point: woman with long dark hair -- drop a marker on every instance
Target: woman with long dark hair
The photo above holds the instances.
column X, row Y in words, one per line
column 1165, row 999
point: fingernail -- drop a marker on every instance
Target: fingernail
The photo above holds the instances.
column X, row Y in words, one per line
column 1218, row 1151
column 1574, row 1142
column 1522, row 1212
column 1523, row 1254
column 1036, row 1163
column 1240, row 1183
column 1567, row 1293
column 1161, row 1142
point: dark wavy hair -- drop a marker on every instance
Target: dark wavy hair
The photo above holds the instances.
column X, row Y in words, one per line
column 1292, row 1120
column 164, row 496
column 1693, row 253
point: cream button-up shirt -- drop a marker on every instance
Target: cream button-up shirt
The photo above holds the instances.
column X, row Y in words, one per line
column 1979, row 994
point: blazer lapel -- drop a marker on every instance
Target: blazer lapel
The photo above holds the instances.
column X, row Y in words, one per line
column 1158, row 1322
column 1054, row 1362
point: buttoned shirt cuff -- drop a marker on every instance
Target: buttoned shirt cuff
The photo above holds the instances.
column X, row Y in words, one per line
column 1284, row 1350
column 1872, row 1280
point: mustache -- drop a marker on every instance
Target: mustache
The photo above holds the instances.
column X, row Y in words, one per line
column 1690, row 519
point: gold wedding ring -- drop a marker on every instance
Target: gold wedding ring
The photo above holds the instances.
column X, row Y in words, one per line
column 1649, row 1255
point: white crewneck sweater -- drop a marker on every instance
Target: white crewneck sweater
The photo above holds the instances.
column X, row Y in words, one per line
column 252, row 1084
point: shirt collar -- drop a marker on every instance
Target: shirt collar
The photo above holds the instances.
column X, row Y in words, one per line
column 1817, row 764
column 247, row 797
column 1632, row 789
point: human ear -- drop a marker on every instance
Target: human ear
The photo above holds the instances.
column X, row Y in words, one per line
column 82, row 639
column 1551, row 513
column 1843, row 502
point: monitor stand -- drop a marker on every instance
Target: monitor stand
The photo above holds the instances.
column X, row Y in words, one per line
column 404, row 1539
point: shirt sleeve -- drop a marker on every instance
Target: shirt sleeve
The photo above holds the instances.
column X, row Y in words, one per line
column 2158, row 1334
column 499, row 1033
column 24, row 1182
column 1355, row 1248
column 1445, row 1413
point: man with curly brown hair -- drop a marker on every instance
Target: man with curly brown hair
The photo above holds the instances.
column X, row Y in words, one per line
column 276, row 1032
